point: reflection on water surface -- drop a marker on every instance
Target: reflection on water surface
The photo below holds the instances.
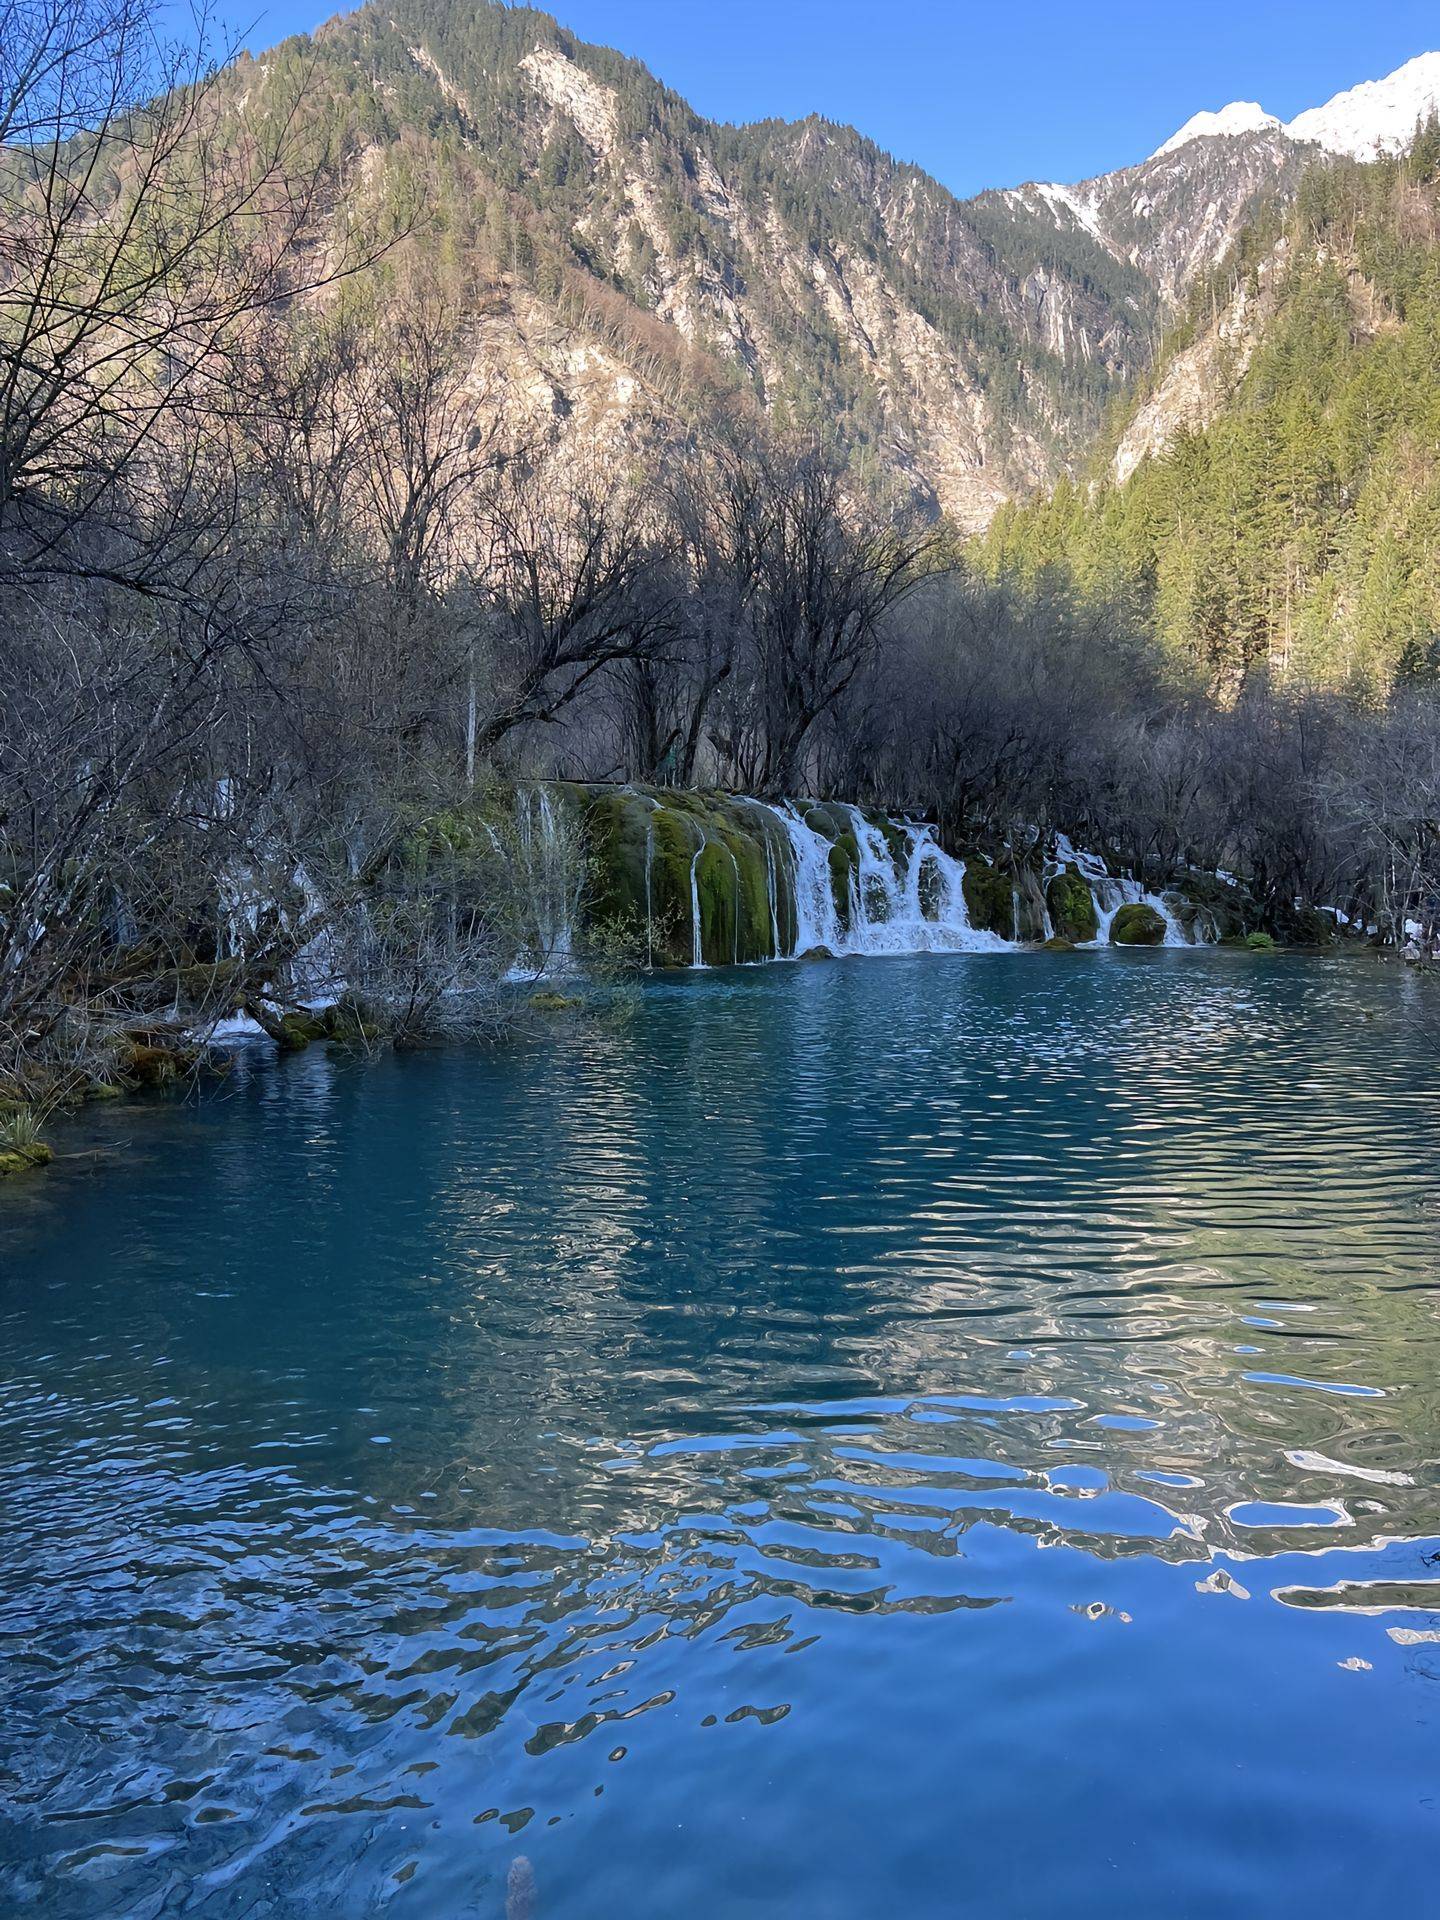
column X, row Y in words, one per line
column 935, row 1436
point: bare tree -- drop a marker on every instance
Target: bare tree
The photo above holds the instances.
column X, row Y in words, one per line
column 145, row 216
column 575, row 579
column 147, row 227
column 1382, row 798
column 830, row 564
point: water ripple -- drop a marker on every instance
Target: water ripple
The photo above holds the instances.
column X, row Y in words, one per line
column 857, row 1432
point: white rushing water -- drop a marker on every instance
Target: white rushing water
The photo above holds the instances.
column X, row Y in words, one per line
column 1112, row 892
column 887, row 907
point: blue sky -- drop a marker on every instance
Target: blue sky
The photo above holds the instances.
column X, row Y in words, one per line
column 985, row 92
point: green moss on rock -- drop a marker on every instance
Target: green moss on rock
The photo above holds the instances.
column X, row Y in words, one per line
column 897, row 840
column 717, row 882
column 146, row 1064
column 298, row 1029
column 616, row 829
column 348, row 1025
column 722, row 850
column 24, row 1159
column 1210, row 908
column 823, row 821
column 676, row 840
column 989, row 897
column 844, row 860
column 1137, row 925
column 931, row 885
column 1072, row 906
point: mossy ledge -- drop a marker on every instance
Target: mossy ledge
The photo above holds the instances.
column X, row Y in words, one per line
column 657, row 854
column 989, row 897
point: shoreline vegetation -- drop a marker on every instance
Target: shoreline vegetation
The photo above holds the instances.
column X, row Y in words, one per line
column 307, row 624
column 601, row 885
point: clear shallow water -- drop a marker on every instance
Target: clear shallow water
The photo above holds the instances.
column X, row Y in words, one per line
column 937, row 1436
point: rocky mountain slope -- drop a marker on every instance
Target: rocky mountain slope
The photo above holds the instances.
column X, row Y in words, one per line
column 621, row 255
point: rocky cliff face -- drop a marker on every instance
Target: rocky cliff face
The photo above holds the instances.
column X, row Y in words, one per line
column 1177, row 215
column 633, row 255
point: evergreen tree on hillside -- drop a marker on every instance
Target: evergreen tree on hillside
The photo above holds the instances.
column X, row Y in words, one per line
column 1300, row 531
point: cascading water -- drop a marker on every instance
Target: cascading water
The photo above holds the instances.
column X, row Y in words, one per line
column 551, row 878
column 697, row 926
column 837, row 880
column 888, row 895
column 1112, row 892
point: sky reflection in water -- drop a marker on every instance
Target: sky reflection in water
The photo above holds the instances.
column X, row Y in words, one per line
column 937, row 1437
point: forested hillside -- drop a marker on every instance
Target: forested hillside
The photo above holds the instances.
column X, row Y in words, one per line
column 631, row 258
column 1292, row 523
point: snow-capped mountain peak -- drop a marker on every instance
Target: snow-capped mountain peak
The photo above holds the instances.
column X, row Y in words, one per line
column 1379, row 116
column 1241, row 116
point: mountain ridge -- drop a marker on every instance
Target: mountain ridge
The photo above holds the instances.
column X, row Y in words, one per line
column 968, row 350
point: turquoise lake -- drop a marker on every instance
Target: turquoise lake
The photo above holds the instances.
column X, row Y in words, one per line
column 945, row 1436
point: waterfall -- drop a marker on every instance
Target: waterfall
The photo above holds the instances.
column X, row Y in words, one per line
column 771, row 896
column 650, row 890
column 551, row 876
column 886, row 895
column 697, row 943
column 837, row 880
column 1112, row 892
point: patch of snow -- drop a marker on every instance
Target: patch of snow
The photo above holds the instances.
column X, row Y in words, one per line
column 1241, row 116
column 1379, row 116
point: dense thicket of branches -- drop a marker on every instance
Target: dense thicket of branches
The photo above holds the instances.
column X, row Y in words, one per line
column 283, row 589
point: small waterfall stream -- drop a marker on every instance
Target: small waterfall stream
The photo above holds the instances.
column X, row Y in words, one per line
column 1112, row 892
column 911, row 901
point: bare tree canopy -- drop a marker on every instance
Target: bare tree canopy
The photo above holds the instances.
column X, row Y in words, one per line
column 145, row 219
